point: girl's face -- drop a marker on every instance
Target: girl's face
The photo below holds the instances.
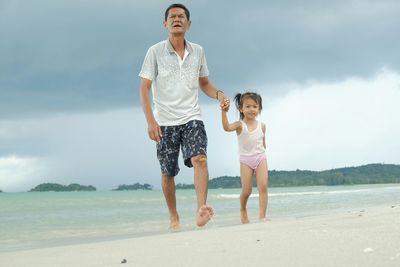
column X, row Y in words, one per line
column 250, row 108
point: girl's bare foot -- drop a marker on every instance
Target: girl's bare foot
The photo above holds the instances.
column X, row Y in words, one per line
column 243, row 216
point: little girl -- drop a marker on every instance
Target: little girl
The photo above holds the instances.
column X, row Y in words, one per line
column 251, row 139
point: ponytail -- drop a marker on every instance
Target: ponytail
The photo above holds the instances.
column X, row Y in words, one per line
column 238, row 103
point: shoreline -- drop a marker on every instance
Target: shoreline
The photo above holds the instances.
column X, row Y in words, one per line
column 368, row 237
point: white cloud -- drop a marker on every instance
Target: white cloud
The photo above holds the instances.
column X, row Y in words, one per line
column 313, row 126
column 322, row 126
column 103, row 149
column 18, row 173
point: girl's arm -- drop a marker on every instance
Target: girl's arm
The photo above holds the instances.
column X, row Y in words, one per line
column 264, row 129
column 230, row 127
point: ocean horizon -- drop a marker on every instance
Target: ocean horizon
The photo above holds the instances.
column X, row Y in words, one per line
column 44, row 219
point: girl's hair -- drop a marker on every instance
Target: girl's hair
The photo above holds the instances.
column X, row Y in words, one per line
column 239, row 98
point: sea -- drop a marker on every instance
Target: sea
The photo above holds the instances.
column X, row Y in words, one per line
column 31, row 220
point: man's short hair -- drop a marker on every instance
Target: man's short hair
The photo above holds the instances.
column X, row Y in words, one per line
column 177, row 6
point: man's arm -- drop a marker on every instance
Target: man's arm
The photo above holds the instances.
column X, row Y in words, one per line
column 153, row 128
column 211, row 91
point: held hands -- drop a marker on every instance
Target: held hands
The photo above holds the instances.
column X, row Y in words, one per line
column 224, row 102
column 225, row 105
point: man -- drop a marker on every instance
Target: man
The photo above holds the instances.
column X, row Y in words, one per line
column 175, row 69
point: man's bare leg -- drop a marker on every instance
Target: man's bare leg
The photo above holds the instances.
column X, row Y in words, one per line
column 168, row 186
column 204, row 212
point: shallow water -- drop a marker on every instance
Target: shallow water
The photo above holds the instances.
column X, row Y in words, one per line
column 31, row 220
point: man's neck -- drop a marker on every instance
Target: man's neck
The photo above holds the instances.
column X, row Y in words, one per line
column 177, row 42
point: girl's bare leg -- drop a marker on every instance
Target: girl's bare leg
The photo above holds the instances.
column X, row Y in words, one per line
column 262, row 185
column 246, row 176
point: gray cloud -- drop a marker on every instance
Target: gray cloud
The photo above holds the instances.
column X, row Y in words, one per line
column 68, row 56
column 69, row 109
column 292, row 43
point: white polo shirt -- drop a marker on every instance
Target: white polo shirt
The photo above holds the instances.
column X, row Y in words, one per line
column 175, row 82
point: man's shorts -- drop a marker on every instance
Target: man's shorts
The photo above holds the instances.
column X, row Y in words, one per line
column 190, row 137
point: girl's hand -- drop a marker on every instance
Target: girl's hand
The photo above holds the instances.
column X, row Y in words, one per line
column 225, row 104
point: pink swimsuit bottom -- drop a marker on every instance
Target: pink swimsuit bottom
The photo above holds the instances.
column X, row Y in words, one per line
column 252, row 161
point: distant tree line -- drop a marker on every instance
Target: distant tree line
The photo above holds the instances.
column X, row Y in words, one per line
column 367, row 174
column 62, row 188
column 77, row 187
column 136, row 186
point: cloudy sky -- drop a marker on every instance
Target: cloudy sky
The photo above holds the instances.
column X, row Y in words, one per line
column 328, row 71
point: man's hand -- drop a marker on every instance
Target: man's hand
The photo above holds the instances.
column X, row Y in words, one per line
column 154, row 131
column 224, row 102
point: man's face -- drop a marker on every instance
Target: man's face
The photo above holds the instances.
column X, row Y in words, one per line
column 177, row 22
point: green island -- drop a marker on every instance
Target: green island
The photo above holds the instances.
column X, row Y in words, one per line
column 46, row 187
column 366, row 174
column 136, row 186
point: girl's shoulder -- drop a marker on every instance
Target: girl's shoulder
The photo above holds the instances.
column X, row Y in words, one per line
column 239, row 126
column 239, row 123
column 262, row 123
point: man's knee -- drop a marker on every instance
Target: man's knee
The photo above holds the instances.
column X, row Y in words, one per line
column 199, row 160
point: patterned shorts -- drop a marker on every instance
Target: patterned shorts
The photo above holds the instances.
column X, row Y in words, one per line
column 190, row 137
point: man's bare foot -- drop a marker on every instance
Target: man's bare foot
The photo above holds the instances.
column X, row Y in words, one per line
column 243, row 216
column 210, row 210
column 174, row 223
column 204, row 214
column 265, row 219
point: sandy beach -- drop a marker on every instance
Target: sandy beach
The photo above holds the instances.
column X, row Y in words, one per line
column 369, row 237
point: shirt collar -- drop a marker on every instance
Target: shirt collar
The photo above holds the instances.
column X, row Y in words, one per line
column 188, row 47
